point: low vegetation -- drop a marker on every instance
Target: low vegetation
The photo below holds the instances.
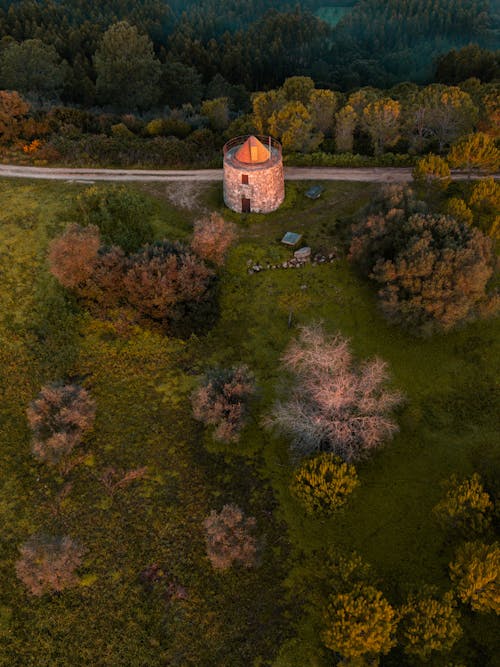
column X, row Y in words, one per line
column 191, row 552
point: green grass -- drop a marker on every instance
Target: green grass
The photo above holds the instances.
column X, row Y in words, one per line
column 141, row 381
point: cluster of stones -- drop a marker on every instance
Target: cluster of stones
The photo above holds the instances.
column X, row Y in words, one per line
column 294, row 263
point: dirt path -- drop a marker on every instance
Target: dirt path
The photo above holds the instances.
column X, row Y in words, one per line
column 363, row 174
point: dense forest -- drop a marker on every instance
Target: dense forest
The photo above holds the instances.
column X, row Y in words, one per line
column 246, row 43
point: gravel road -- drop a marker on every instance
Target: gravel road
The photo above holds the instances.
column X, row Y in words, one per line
column 364, row 174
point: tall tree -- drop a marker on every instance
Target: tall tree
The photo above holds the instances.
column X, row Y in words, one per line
column 32, row 68
column 127, row 70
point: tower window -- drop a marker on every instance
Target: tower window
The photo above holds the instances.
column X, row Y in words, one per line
column 244, row 179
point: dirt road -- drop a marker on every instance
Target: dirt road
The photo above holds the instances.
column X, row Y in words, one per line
column 364, row 174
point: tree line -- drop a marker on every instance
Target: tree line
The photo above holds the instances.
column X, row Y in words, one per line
column 191, row 43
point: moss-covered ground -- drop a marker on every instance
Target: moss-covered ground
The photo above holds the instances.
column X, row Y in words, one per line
column 141, row 380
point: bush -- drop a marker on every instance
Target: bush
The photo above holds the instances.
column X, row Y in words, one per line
column 212, row 238
column 48, row 564
column 59, row 418
column 476, row 575
column 434, row 271
column 466, row 507
column 228, row 538
column 428, row 624
column 73, row 256
column 359, row 623
column 163, row 278
column 120, row 214
column 324, row 483
column 432, row 171
column 337, row 405
column 222, row 401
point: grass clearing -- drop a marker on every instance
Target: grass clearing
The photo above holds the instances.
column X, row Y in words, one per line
column 141, row 382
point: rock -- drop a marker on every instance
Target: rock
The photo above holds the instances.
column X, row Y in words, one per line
column 250, row 272
column 256, row 268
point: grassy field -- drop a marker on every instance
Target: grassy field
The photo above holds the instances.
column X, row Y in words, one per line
column 141, row 381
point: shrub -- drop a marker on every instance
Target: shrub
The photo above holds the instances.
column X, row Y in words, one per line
column 48, row 564
column 428, row 623
column 73, row 256
column 466, row 506
column 359, row 623
column 212, row 238
column 336, row 405
column 59, row 418
column 476, row 575
column 162, row 278
column 432, row 171
column 434, row 271
column 485, row 204
column 324, row 483
column 228, row 538
column 459, row 211
column 222, row 401
column 121, row 215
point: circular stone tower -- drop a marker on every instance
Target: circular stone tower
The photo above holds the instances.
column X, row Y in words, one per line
column 253, row 174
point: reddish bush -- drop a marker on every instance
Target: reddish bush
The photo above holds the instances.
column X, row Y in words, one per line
column 162, row 277
column 59, row 417
column 222, row 401
column 212, row 238
column 73, row 256
column 105, row 285
column 433, row 270
column 228, row 538
column 48, row 564
column 336, row 405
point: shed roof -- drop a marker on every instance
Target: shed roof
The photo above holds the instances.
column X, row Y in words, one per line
column 252, row 151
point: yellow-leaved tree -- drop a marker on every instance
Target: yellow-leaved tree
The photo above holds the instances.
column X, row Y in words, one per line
column 475, row 152
column 476, row 575
column 381, row 120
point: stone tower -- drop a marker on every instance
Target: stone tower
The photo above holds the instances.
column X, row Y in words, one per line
column 253, row 174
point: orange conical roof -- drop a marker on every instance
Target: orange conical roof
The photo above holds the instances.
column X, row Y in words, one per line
column 252, row 151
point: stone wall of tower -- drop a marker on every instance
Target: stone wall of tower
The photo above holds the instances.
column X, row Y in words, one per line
column 265, row 188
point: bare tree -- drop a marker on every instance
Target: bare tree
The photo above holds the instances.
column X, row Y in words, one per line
column 212, row 238
column 228, row 538
column 59, row 417
column 222, row 401
column 47, row 564
column 336, row 404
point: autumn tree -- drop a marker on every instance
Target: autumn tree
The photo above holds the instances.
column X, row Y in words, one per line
column 440, row 114
column 164, row 277
column 322, row 106
column 265, row 105
column 324, row 483
column 298, row 89
column 292, row 124
column 433, row 271
column 432, row 172
column 229, row 538
column 33, row 68
column 475, row 152
column 59, row 418
column 381, row 120
column 73, row 256
column 484, row 202
column 217, row 112
column 475, row 573
column 459, row 211
column 428, row 624
column 345, row 124
column 13, row 110
column 222, row 401
column 48, row 564
column 336, row 405
column 360, row 623
column 127, row 69
column 466, row 507
column 212, row 238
